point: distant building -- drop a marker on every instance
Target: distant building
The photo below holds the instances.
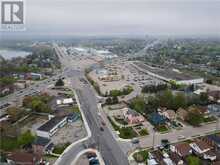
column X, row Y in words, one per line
column 34, row 76
column 168, row 74
column 49, row 128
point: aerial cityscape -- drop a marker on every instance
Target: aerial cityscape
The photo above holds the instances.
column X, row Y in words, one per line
column 126, row 89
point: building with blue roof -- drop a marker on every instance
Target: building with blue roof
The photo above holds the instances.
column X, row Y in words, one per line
column 157, row 119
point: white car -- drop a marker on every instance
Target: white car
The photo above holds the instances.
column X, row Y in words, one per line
column 181, row 137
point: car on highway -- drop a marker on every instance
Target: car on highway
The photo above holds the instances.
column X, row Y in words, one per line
column 91, row 155
column 135, row 141
column 103, row 123
column 180, row 137
column 94, row 162
column 101, row 129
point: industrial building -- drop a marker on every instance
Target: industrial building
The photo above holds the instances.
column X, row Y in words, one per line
column 168, row 75
column 49, row 128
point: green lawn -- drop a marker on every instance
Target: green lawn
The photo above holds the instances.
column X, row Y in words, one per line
column 193, row 160
column 125, row 132
column 121, row 121
column 143, row 132
column 58, row 149
column 76, row 109
column 141, row 156
column 162, row 128
column 8, row 144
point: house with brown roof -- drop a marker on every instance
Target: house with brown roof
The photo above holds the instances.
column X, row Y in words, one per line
column 182, row 114
column 203, row 149
column 200, row 146
column 182, row 149
column 214, row 95
column 23, row 158
column 204, row 111
column 176, row 158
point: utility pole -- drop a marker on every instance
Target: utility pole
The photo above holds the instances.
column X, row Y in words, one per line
column 217, row 126
column 154, row 136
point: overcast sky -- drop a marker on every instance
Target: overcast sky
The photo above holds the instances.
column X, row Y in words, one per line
column 122, row 17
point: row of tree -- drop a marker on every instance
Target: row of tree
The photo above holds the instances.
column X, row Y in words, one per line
column 124, row 91
column 169, row 100
column 38, row 103
column 154, row 88
column 111, row 100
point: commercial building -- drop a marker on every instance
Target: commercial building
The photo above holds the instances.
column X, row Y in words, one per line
column 49, row 128
column 168, row 75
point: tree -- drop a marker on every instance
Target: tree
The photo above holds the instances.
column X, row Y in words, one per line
column 138, row 104
column 26, row 138
column 14, row 113
column 194, row 117
column 115, row 100
column 167, row 99
column 193, row 160
column 59, row 82
column 27, row 101
column 115, row 93
column 179, row 101
column 39, row 106
column 152, row 103
column 204, row 98
column 108, row 101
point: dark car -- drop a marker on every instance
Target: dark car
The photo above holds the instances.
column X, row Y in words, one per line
column 91, row 155
column 101, row 129
column 94, row 162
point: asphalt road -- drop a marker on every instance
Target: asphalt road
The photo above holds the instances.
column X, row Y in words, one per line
column 103, row 140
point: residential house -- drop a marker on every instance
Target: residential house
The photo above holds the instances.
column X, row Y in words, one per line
column 157, row 119
column 200, row 146
column 182, row 149
column 214, row 95
column 169, row 114
column 182, row 114
column 204, row 111
column 132, row 116
column 210, row 155
column 49, row 128
column 22, row 158
column 177, row 160
column 203, row 149
column 156, row 157
column 213, row 140
column 214, row 109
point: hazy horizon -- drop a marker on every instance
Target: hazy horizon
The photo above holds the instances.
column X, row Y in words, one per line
column 56, row 18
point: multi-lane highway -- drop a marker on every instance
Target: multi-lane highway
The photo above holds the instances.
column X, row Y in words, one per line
column 101, row 138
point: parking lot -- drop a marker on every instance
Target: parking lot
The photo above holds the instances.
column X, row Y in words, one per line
column 130, row 76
